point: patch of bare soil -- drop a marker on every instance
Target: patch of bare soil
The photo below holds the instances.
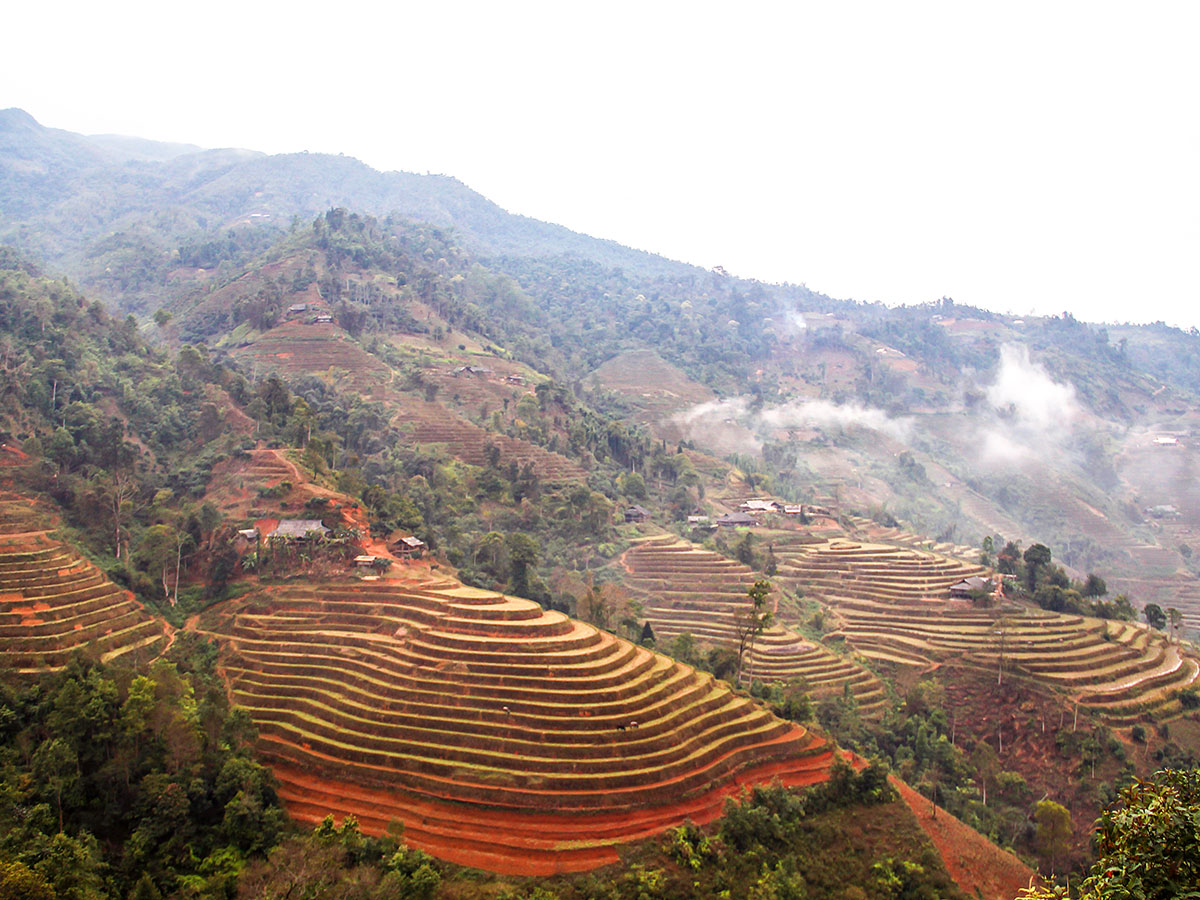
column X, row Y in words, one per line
column 977, row 865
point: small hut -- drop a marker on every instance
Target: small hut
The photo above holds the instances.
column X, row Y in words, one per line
column 409, row 547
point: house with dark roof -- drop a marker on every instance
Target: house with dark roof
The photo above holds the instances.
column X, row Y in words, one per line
column 637, row 513
column 968, row 588
column 298, row 530
column 409, row 546
column 737, row 520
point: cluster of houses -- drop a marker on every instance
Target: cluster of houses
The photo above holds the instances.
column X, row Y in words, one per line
column 296, row 531
column 749, row 513
column 484, row 372
column 299, row 309
column 786, row 509
column 744, row 518
column 288, row 531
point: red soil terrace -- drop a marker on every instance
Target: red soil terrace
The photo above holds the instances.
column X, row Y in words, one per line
column 686, row 589
column 893, row 604
column 54, row 603
column 503, row 736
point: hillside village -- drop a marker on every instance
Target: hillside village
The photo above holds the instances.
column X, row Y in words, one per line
column 385, row 555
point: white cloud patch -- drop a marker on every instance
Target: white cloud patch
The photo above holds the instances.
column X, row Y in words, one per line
column 1025, row 388
column 709, row 423
column 714, row 409
column 722, row 425
column 1038, row 412
column 998, row 447
column 823, row 414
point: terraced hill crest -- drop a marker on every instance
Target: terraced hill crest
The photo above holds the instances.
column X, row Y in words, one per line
column 297, row 348
column 502, row 735
column 893, row 604
column 54, row 603
column 686, row 589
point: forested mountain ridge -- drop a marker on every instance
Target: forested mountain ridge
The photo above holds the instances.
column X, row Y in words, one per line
column 444, row 373
column 84, row 205
column 168, row 228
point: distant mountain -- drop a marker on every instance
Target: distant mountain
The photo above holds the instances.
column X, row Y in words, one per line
column 961, row 422
column 62, row 193
column 134, row 148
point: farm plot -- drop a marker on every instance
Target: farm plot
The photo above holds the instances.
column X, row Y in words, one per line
column 15, row 465
column 238, row 484
column 19, row 514
column 694, row 591
column 54, row 603
column 432, row 423
column 872, row 571
column 503, row 736
column 294, row 349
column 899, row 537
column 1122, row 672
column 893, row 604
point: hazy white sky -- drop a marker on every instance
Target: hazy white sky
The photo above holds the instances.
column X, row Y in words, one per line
column 1020, row 156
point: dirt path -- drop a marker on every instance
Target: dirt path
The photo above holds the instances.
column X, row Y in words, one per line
column 977, row 865
column 170, row 633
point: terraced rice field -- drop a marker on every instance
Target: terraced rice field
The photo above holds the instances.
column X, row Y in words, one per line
column 470, row 391
column 268, row 468
column 880, row 572
column 19, row 514
column 686, row 589
column 15, row 467
column 900, row 537
column 293, row 349
column 503, row 736
column 54, row 603
column 432, row 423
column 893, row 604
column 1122, row 672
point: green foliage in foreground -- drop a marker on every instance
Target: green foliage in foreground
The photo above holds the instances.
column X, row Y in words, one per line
column 1149, row 844
column 115, row 784
column 845, row 839
column 109, row 779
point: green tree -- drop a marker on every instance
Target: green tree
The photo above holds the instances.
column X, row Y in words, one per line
column 56, row 765
column 156, row 552
column 1037, row 558
column 524, row 552
column 1052, row 837
column 744, row 551
column 1147, row 843
column 751, row 621
column 492, row 553
column 633, row 485
column 1155, row 616
column 19, row 882
column 1009, row 558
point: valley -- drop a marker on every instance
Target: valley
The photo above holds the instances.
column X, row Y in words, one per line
column 501, row 549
